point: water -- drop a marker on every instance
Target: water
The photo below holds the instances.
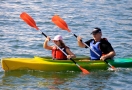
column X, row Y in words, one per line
column 20, row 40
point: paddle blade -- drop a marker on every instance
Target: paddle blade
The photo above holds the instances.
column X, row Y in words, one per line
column 84, row 71
column 110, row 65
column 113, row 67
column 57, row 20
column 29, row 20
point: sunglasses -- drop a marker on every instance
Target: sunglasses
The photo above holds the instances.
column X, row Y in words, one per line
column 56, row 41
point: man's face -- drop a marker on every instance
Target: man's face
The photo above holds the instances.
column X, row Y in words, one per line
column 97, row 36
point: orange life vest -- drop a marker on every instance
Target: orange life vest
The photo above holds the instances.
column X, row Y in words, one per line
column 58, row 54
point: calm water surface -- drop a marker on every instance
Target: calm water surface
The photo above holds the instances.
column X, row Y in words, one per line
column 114, row 17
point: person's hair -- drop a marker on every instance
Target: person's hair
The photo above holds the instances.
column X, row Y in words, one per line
column 62, row 43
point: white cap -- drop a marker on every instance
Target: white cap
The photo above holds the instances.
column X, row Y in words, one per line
column 58, row 37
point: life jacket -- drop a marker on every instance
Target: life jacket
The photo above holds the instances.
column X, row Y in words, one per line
column 58, row 54
column 95, row 47
column 103, row 54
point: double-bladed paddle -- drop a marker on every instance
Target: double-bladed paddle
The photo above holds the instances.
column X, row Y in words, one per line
column 30, row 21
column 57, row 20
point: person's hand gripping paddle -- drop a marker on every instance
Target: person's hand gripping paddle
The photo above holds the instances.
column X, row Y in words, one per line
column 30, row 21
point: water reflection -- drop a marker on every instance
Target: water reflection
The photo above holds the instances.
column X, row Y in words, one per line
column 51, row 80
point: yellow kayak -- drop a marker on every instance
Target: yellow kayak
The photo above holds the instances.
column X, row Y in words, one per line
column 47, row 64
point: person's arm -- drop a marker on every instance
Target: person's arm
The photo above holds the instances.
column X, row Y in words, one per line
column 80, row 44
column 109, row 55
column 108, row 47
column 45, row 45
column 70, row 54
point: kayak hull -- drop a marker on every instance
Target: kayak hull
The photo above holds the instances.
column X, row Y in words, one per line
column 47, row 64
